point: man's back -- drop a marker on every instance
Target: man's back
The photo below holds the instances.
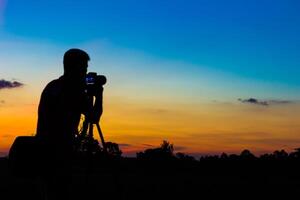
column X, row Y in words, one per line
column 59, row 111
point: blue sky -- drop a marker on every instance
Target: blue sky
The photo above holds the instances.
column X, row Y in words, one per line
column 253, row 39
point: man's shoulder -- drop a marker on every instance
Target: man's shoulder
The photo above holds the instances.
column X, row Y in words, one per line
column 53, row 87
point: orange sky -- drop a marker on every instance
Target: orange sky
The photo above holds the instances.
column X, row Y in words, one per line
column 196, row 128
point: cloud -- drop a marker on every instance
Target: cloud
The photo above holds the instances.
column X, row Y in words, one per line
column 180, row 148
column 264, row 102
column 5, row 136
column 4, row 84
column 254, row 101
column 148, row 145
column 280, row 102
column 124, row 145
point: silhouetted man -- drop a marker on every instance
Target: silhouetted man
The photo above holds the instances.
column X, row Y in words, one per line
column 61, row 105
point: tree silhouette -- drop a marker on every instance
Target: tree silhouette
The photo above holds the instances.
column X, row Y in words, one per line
column 113, row 149
column 295, row 154
column 184, row 157
column 167, row 147
column 246, row 154
column 224, row 156
column 164, row 152
column 280, row 154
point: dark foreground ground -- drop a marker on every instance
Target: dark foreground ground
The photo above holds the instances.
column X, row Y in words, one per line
column 139, row 179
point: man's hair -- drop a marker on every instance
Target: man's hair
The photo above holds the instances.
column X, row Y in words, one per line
column 73, row 57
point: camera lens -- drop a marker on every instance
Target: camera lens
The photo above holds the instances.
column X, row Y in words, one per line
column 101, row 79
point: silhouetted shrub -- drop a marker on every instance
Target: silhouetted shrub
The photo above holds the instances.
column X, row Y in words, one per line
column 247, row 155
column 113, row 149
column 164, row 152
column 280, row 154
column 184, row 157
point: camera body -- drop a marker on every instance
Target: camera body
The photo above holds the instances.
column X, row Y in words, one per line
column 94, row 82
column 93, row 79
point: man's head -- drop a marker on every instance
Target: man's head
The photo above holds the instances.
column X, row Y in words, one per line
column 76, row 63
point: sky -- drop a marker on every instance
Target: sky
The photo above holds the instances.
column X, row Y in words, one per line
column 210, row 76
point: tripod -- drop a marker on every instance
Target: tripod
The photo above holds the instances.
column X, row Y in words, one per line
column 91, row 128
column 92, row 117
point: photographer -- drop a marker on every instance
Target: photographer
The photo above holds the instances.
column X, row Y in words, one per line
column 61, row 105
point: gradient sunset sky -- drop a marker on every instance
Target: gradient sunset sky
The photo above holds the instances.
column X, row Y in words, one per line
column 210, row 76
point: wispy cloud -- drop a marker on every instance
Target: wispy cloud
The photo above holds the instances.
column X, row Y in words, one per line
column 180, row 148
column 4, row 84
column 280, row 102
column 264, row 102
column 148, row 145
column 254, row 101
column 124, row 145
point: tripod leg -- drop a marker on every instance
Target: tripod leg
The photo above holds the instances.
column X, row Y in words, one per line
column 91, row 126
column 101, row 137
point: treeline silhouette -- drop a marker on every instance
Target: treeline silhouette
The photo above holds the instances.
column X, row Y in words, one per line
column 166, row 152
column 162, row 173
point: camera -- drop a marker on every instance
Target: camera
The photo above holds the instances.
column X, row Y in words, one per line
column 93, row 79
column 94, row 82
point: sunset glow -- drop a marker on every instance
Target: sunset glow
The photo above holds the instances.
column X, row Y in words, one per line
column 208, row 77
